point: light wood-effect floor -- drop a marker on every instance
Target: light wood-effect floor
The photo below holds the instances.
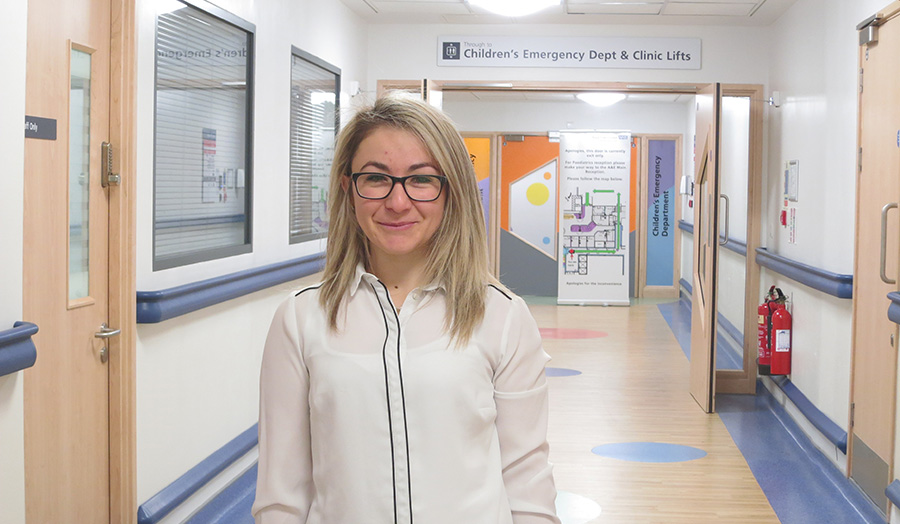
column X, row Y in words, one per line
column 634, row 388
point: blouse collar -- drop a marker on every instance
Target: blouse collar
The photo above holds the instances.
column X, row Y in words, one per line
column 363, row 276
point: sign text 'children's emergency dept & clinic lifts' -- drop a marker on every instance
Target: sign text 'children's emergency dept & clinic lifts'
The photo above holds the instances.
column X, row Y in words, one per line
column 596, row 52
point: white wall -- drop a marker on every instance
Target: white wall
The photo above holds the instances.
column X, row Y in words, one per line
column 815, row 72
column 198, row 374
column 12, row 158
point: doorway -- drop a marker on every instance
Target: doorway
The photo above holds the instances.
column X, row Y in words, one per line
column 503, row 97
column 78, row 262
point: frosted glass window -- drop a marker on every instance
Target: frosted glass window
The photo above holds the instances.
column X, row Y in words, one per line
column 315, row 98
column 202, row 164
column 79, row 173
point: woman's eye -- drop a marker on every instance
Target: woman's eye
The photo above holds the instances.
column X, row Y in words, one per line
column 423, row 180
column 375, row 179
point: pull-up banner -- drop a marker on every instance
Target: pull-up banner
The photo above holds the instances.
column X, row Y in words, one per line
column 594, row 188
column 575, row 51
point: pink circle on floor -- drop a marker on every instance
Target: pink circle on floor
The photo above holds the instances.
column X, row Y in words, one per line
column 564, row 333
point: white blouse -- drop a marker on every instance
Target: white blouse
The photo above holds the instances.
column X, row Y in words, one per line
column 383, row 421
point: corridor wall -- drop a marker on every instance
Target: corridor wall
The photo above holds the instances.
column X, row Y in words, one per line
column 198, row 374
column 12, row 159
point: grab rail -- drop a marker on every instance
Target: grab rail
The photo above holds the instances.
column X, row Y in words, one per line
column 17, row 351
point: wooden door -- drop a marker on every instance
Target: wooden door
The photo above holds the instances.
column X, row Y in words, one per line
column 873, row 386
column 706, row 206
column 66, row 257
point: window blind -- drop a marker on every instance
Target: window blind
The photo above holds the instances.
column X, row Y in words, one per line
column 202, row 150
column 315, row 92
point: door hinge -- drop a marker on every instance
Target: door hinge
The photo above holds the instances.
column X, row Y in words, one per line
column 107, row 177
column 859, row 161
column 861, row 79
column 852, row 413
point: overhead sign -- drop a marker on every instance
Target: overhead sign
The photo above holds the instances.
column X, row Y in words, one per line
column 576, row 51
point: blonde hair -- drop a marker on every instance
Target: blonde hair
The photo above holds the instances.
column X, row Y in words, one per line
column 457, row 256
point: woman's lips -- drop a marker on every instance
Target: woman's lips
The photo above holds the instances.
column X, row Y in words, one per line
column 396, row 226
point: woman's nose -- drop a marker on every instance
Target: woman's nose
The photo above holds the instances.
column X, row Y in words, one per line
column 397, row 199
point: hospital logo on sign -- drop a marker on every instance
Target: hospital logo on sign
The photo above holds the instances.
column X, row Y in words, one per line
column 451, row 50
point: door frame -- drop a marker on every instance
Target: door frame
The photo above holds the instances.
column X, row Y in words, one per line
column 743, row 381
column 727, row 381
column 122, row 288
column 641, row 288
column 122, row 266
column 493, row 199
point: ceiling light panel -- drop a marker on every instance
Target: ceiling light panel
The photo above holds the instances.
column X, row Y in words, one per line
column 420, row 6
column 615, row 8
column 708, row 9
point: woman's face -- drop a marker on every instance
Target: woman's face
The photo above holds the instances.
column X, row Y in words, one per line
column 396, row 226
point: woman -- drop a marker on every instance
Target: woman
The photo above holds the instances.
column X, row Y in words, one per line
column 408, row 386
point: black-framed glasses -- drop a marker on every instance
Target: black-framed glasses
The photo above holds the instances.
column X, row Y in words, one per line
column 377, row 186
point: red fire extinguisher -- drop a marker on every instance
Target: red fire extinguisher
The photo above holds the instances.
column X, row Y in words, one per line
column 774, row 334
column 781, row 341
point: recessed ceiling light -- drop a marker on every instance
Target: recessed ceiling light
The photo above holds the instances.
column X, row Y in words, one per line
column 600, row 99
column 514, row 7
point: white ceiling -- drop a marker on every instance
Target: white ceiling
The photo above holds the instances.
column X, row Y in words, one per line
column 656, row 12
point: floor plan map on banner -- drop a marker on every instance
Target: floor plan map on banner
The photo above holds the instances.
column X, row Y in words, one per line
column 594, row 198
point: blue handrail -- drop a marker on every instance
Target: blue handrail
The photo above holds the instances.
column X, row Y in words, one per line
column 170, row 497
column 17, row 351
column 157, row 306
column 834, row 284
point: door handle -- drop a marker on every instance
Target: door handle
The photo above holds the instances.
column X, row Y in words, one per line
column 106, row 331
column 727, row 206
column 884, row 213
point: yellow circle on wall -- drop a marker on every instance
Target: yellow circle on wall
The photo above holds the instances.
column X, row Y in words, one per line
column 538, row 194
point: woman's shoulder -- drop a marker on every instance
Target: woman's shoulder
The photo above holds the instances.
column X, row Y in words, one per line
column 311, row 290
column 305, row 297
column 498, row 296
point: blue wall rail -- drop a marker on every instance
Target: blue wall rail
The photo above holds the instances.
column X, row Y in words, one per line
column 820, row 420
column 733, row 244
column 834, row 284
column 893, row 492
column 17, row 351
column 157, row 306
column 894, row 308
column 170, row 497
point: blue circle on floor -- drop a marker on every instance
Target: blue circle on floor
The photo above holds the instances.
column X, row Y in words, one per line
column 561, row 372
column 649, row 452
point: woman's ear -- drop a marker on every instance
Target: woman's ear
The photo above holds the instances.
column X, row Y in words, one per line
column 345, row 183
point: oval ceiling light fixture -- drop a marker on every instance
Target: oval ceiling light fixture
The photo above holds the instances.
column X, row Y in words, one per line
column 600, row 99
column 514, row 7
